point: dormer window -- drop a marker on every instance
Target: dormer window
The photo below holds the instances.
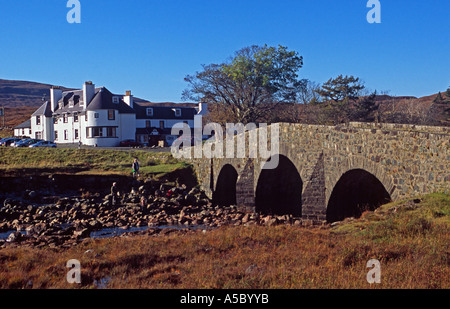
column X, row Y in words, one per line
column 150, row 112
column 61, row 105
column 115, row 100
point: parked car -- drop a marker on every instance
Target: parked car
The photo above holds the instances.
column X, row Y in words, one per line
column 43, row 144
column 28, row 142
column 8, row 141
column 130, row 143
column 21, row 143
column 13, row 144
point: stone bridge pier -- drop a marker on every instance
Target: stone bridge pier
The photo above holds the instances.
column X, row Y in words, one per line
column 328, row 173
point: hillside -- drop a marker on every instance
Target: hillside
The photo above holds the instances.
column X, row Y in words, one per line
column 23, row 93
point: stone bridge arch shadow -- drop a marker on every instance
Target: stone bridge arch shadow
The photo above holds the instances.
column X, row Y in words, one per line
column 279, row 191
column 357, row 185
column 225, row 188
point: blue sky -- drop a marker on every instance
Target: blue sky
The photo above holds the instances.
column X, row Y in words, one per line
column 149, row 46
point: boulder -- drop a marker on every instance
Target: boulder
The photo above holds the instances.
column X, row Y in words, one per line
column 14, row 237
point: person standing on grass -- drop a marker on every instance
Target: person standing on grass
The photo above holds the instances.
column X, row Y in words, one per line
column 135, row 167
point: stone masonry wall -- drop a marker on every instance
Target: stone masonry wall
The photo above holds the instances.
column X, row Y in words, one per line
column 407, row 160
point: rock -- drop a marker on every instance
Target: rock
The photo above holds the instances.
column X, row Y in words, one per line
column 14, row 237
column 84, row 233
column 269, row 221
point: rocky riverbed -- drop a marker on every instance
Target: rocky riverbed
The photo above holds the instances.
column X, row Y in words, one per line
column 40, row 219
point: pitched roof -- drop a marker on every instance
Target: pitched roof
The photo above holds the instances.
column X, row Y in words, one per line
column 70, row 102
column 24, row 125
column 165, row 112
column 103, row 99
column 45, row 110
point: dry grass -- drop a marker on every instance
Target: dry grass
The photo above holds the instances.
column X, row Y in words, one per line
column 412, row 246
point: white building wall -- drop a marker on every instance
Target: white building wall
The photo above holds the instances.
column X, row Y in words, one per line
column 36, row 127
column 66, row 130
column 123, row 124
column 127, row 126
column 25, row 132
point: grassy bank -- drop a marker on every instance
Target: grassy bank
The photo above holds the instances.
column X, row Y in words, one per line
column 94, row 161
column 409, row 239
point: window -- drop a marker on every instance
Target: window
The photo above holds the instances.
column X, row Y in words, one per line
column 65, row 118
column 115, row 100
column 148, row 124
column 161, row 124
column 96, row 115
column 75, row 117
column 38, row 120
column 86, row 116
column 55, row 120
column 111, row 114
column 150, row 112
column 66, row 135
column 97, row 132
column 111, row 132
column 76, row 134
column 38, row 135
column 56, row 135
column 177, row 112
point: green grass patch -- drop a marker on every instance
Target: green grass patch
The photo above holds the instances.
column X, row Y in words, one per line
column 97, row 161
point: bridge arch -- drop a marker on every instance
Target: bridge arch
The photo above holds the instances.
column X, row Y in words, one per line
column 279, row 191
column 225, row 189
column 356, row 191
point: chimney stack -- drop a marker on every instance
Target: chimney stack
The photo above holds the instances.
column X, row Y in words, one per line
column 88, row 93
column 55, row 96
column 128, row 99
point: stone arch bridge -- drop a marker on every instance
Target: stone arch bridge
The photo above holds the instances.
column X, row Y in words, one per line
column 327, row 173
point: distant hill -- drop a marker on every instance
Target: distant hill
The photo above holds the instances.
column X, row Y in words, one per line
column 15, row 93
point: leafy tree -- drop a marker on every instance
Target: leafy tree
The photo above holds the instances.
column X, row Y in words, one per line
column 447, row 93
column 340, row 88
column 251, row 84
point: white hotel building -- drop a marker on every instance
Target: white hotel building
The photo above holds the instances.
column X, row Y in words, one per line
column 97, row 117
